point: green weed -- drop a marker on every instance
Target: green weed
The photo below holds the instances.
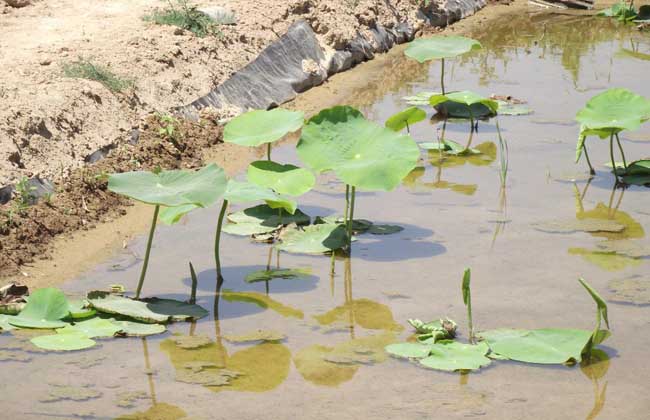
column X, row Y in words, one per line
column 85, row 69
column 185, row 17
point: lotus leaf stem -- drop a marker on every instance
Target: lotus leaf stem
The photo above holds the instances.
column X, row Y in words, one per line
column 347, row 204
column 143, row 273
column 194, row 284
column 620, row 147
column 351, row 219
column 217, row 239
column 591, row 168
column 442, row 75
column 611, row 155
column 268, row 151
column 408, row 129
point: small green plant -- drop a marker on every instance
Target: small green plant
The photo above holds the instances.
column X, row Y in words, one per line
column 185, row 17
column 85, row 69
column 467, row 300
column 24, row 193
column 626, row 12
column 169, row 130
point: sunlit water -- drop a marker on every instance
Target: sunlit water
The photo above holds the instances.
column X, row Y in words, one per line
column 455, row 216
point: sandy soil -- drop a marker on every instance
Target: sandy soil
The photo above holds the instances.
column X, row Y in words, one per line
column 50, row 123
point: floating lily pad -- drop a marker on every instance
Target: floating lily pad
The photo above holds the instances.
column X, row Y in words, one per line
column 449, row 147
column 191, row 341
column 451, row 355
column 409, row 350
column 405, row 118
column 138, row 329
column 437, row 47
column 543, row 346
column 358, row 225
column 175, row 309
column 261, row 219
column 258, row 127
column 579, row 225
column 118, row 305
column 272, row 274
column 206, row 374
column 360, row 152
column 92, row 328
column 45, row 309
column 79, row 309
column 313, row 239
column 384, row 229
column 259, row 335
column 421, row 98
column 464, row 104
column 506, row 108
column 246, row 192
column 70, row 393
column 248, row 229
column 634, row 290
column 172, row 188
column 63, row 342
column 284, row 179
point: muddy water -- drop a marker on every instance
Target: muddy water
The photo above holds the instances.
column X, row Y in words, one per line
column 455, row 215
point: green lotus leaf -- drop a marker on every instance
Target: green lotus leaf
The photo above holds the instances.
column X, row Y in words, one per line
column 138, row 329
column 437, row 47
column 173, row 215
column 247, row 229
column 420, row 98
column 449, row 147
column 172, row 188
column 358, row 225
column 4, row 323
column 79, row 310
column 279, row 273
column 92, row 328
column 637, row 172
column 451, row 355
column 175, row 309
column 118, row 305
column 313, row 239
column 614, row 110
column 405, row 118
column 473, row 104
column 267, row 216
column 409, row 350
column 543, row 346
column 44, row 309
column 257, row 127
column 63, row 342
column 245, row 192
column 283, row 179
column 360, row 152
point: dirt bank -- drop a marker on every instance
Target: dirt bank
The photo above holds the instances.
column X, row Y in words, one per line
column 81, row 201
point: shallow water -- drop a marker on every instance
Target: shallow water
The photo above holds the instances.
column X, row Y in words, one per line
column 455, row 216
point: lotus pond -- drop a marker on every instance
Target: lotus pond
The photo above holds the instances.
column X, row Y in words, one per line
column 290, row 334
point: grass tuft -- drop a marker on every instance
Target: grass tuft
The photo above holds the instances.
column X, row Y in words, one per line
column 84, row 69
column 185, row 17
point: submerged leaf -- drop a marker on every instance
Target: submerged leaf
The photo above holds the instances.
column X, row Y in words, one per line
column 63, row 342
column 384, row 229
column 360, row 152
column 255, row 128
column 313, row 239
column 259, row 335
column 279, row 273
column 409, row 350
column 45, row 309
column 544, row 346
column 633, row 289
column 580, row 225
column 629, row 248
column 451, row 355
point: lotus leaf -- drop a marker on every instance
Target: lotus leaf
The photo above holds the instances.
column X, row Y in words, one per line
column 259, row 335
column 92, row 328
column 449, row 147
column 614, row 110
column 266, row 216
column 45, row 309
column 138, row 329
column 4, row 323
column 283, row 179
column 634, row 290
column 637, row 173
column 59, row 392
column 314, row 239
column 79, row 309
column 450, row 355
column 173, row 215
column 409, row 350
column 245, row 192
column 474, row 105
column 118, row 305
column 629, row 248
column 63, row 342
column 280, row 273
column 405, row 118
column 358, row 225
column 247, row 229
column 172, row 188
column 175, row 309
column 544, row 346
column 419, row 99
column 506, row 108
column 384, row 229
column 257, row 127
column 191, row 341
column 360, row 152
column 425, row 49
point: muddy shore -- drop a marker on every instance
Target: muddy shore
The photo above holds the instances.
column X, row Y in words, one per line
column 77, row 226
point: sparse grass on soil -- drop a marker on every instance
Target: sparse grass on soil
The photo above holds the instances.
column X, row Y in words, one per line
column 185, row 17
column 85, row 69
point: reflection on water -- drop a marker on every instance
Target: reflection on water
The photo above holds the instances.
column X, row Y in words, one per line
column 595, row 368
